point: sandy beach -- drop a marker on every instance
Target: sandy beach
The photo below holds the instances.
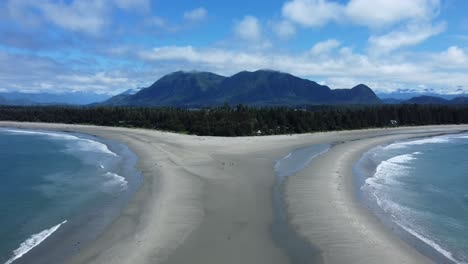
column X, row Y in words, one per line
column 209, row 200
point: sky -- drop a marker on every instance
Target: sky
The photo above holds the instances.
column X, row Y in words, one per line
column 109, row 46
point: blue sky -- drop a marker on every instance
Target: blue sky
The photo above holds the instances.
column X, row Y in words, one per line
column 108, row 46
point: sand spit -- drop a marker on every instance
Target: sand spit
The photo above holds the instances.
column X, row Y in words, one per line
column 209, row 199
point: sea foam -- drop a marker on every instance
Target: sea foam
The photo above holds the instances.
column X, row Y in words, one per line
column 396, row 189
column 32, row 242
column 388, row 171
column 116, row 180
column 400, row 215
column 433, row 140
column 81, row 144
column 431, row 243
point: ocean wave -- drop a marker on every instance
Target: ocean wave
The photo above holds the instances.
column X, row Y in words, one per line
column 393, row 193
column 392, row 208
column 404, row 159
column 94, row 146
column 461, row 137
column 388, row 171
column 49, row 134
column 432, row 140
column 116, row 180
column 32, row 242
column 81, row 144
column 400, row 214
column 431, row 243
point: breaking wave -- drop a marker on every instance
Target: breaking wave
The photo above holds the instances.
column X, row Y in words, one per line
column 77, row 143
column 32, row 242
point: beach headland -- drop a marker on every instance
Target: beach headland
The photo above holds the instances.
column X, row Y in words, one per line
column 209, row 200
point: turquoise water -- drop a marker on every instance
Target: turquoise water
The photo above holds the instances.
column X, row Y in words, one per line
column 422, row 186
column 58, row 191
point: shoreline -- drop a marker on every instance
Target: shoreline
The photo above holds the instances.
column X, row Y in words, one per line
column 352, row 228
column 363, row 170
column 208, row 200
column 295, row 247
column 64, row 239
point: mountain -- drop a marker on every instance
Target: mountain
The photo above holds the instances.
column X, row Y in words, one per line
column 72, row 98
column 177, row 89
column 406, row 94
column 437, row 100
column 121, row 98
column 259, row 88
column 460, row 101
column 426, row 100
column 132, row 91
column 391, row 100
column 15, row 102
column 357, row 95
column 265, row 87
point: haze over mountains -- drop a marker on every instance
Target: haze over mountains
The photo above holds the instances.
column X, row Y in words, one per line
column 258, row 88
column 69, row 98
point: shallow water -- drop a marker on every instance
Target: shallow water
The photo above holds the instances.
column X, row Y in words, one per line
column 58, row 185
column 422, row 186
column 296, row 248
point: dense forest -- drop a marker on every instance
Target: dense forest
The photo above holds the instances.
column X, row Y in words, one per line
column 242, row 120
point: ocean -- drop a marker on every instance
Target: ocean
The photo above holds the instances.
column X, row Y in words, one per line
column 59, row 191
column 420, row 187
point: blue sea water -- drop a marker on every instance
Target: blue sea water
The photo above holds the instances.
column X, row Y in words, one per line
column 58, row 185
column 422, row 186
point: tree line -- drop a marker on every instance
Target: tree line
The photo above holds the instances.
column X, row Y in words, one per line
column 242, row 120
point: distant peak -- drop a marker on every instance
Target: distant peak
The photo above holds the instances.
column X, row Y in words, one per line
column 268, row 70
column 132, row 91
column 184, row 72
column 192, row 73
column 361, row 86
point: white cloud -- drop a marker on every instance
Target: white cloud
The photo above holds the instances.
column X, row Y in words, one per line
column 371, row 13
column 411, row 35
column 35, row 74
column 344, row 69
column 141, row 5
column 249, row 28
column 284, row 29
column 453, row 57
column 324, row 47
column 163, row 24
column 220, row 57
column 341, row 69
column 196, row 15
column 84, row 16
column 99, row 78
column 312, row 13
column 378, row 13
column 395, row 25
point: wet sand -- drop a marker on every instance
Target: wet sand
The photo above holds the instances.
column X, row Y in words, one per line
column 209, row 199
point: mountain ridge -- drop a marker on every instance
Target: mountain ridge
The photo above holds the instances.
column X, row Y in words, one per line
column 462, row 100
column 257, row 88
